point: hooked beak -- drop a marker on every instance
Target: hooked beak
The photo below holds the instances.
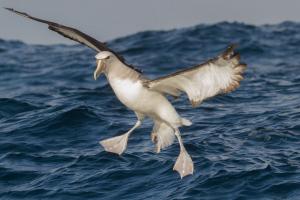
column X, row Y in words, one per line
column 99, row 69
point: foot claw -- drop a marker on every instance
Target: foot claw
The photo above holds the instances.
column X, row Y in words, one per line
column 184, row 164
column 116, row 144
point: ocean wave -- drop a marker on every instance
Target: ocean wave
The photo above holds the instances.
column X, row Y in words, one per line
column 245, row 144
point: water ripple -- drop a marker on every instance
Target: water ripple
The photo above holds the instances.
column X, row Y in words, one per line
column 245, row 144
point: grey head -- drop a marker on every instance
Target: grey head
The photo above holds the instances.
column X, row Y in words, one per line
column 103, row 60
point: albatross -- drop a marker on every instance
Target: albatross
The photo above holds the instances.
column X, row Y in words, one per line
column 148, row 97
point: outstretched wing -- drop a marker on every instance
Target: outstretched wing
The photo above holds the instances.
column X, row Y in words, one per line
column 71, row 33
column 219, row 75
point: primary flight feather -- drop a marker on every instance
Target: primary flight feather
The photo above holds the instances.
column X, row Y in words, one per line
column 147, row 98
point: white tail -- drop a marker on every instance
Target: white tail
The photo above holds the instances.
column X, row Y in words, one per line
column 164, row 135
column 186, row 122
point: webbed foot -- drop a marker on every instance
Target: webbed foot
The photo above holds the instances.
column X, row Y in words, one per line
column 116, row 144
column 184, row 164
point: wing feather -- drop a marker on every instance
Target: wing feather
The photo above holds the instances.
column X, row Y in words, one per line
column 74, row 35
column 68, row 32
column 219, row 75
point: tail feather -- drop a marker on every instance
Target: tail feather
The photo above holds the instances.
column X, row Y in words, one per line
column 164, row 135
column 186, row 122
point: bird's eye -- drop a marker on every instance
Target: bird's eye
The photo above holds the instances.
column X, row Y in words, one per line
column 108, row 57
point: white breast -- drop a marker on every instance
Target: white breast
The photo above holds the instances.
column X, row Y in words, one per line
column 127, row 91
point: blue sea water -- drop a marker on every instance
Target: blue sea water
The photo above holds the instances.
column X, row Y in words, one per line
column 245, row 145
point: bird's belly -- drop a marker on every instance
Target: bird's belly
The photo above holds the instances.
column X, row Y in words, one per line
column 140, row 99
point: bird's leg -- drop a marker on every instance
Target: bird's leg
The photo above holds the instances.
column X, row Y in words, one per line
column 184, row 164
column 154, row 137
column 118, row 144
column 154, row 131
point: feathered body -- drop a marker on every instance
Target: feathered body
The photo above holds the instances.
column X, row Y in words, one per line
column 148, row 97
column 129, row 87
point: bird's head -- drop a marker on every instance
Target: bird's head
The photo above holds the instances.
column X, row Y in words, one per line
column 103, row 59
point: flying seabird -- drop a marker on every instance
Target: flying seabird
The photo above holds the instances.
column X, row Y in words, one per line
column 147, row 98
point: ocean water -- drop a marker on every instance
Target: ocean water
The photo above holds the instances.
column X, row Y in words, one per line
column 245, row 145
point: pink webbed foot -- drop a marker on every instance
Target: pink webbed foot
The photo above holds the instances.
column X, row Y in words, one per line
column 116, row 144
column 184, row 164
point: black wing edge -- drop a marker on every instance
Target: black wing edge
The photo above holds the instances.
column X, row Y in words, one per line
column 56, row 28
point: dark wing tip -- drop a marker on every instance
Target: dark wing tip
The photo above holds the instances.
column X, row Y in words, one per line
column 15, row 11
column 234, row 60
column 8, row 8
column 229, row 52
column 232, row 46
column 23, row 14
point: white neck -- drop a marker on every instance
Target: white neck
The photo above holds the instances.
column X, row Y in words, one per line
column 118, row 70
